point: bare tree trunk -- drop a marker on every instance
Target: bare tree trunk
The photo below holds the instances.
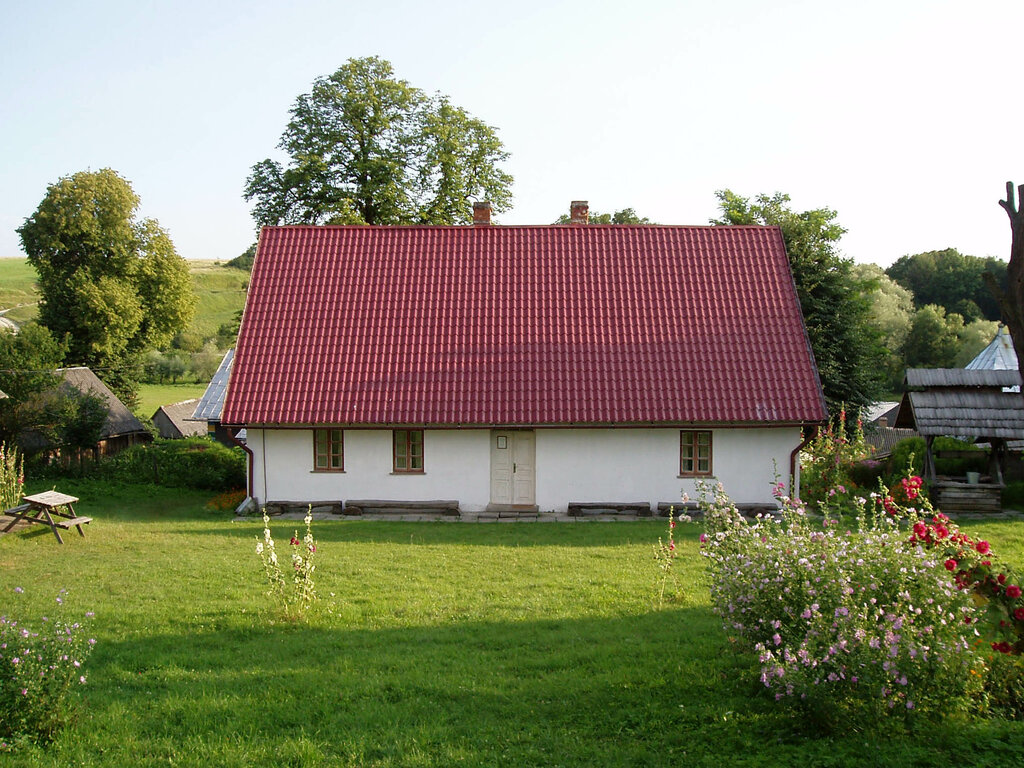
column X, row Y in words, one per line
column 1011, row 303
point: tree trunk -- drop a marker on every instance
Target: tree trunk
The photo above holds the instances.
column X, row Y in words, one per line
column 1011, row 303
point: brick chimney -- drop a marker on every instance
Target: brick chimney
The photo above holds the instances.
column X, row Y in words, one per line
column 482, row 214
column 579, row 212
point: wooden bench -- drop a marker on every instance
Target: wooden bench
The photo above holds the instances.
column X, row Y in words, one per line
column 359, row 507
column 586, row 508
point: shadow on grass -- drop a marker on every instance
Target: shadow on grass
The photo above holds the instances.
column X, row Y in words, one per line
column 600, row 691
column 663, row 688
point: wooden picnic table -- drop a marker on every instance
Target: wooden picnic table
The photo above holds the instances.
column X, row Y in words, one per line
column 50, row 508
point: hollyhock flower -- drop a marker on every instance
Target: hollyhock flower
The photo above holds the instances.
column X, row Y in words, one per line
column 982, row 547
column 1013, row 591
column 950, row 564
column 1018, row 614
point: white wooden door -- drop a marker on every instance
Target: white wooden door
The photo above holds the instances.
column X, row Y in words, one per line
column 513, row 477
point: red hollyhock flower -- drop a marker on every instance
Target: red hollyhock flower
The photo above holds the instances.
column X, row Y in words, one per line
column 1001, row 578
column 1018, row 614
column 982, row 547
column 1013, row 591
column 294, row 542
column 950, row 564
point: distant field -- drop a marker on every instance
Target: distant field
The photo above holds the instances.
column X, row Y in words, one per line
column 152, row 396
column 221, row 292
column 17, row 289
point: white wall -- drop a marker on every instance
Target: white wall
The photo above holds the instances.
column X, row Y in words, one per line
column 572, row 465
column 456, row 464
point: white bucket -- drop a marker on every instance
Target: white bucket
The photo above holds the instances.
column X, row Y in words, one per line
column 973, row 477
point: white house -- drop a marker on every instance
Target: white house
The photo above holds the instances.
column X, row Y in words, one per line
column 520, row 367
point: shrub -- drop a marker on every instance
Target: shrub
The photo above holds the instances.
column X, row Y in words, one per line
column 193, row 463
column 848, row 626
column 38, row 670
column 12, row 477
column 907, row 456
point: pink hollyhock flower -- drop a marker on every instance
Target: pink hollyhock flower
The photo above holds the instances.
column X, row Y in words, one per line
column 920, row 529
column 703, row 538
column 1013, row 591
column 982, row 547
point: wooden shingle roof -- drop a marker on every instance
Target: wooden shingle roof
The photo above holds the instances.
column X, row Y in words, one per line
column 963, row 402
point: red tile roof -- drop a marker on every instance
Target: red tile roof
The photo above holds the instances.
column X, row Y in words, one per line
column 558, row 325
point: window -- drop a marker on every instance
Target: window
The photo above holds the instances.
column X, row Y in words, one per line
column 328, row 450
column 408, row 450
column 694, row 453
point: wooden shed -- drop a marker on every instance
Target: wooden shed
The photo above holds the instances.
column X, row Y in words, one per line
column 972, row 405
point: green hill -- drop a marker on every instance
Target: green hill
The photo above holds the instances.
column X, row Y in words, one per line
column 221, row 292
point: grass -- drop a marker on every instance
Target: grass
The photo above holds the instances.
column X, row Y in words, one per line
column 433, row 645
column 152, row 396
column 220, row 289
column 18, row 289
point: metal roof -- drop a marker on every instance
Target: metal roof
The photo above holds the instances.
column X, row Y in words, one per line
column 493, row 325
column 999, row 355
column 212, row 402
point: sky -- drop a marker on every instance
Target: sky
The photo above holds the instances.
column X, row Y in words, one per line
column 906, row 117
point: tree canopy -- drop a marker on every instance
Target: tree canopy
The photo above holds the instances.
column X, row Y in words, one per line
column 834, row 301
column 365, row 148
column 951, row 280
column 110, row 284
column 625, row 216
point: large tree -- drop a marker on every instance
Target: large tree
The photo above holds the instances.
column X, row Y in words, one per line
column 834, row 302
column 1011, row 297
column 112, row 284
column 891, row 313
column 365, row 148
column 952, row 280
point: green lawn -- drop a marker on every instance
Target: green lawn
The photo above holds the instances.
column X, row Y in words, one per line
column 434, row 644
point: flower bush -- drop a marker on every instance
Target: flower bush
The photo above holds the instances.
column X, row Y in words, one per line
column 665, row 553
column 294, row 587
column 12, row 476
column 38, row 670
column 847, row 625
column 226, row 502
column 832, row 463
